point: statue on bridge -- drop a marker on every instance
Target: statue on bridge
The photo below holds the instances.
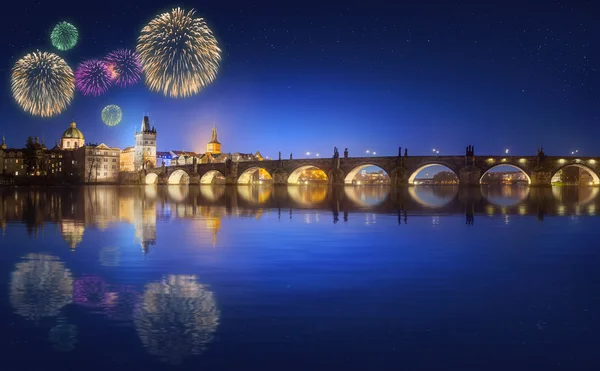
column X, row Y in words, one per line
column 405, row 152
column 346, row 153
column 336, row 154
column 399, row 151
column 470, row 151
column 291, row 157
column 279, row 155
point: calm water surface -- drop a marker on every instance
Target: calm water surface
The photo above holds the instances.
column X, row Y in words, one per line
column 299, row 278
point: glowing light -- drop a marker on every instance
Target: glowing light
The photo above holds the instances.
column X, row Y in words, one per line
column 374, row 153
column 125, row 67
column 64, row 36
column 317, row 155
column 503, row 160
column 561, row 161
column 42, row 84
column 367, row 151
column 179, row 54
column 506, row 151
column 491, row 160
column 93, row 77
column 522, row 160
column 592, row 162
column 308, row 153
column 111, row 115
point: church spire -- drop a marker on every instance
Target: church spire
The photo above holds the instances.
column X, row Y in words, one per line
column 214, row 134
column 3, row 146
column 145, row 124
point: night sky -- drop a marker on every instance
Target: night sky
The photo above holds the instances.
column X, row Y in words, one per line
column 302, row 76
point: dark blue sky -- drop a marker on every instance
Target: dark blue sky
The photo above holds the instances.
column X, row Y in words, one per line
column 308, row 76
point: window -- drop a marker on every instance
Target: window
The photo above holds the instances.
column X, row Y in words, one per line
column 104, row 174
column 114, row 167
column 16, row 173
column 68, row 144
column 60, row 163
column 16, row 161
column 114, row 160
column 106, row 166
column 76, row 145
column 145, row 142
column 105, row 160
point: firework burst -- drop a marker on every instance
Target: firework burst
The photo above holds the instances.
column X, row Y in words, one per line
column 126, row 67
column 111, row 115
column 93, row 77
column 179, row 54
column 64, row 36
column 42, row 84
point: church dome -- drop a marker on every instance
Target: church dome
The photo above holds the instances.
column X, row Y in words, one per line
column 72, row 132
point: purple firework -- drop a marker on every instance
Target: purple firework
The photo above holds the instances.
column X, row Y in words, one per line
column 93, row 77
column 125, row 66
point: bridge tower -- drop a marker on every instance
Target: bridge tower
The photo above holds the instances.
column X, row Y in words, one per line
column 145, row 146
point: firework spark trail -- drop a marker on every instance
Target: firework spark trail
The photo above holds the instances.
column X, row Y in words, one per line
column 111, row 115
column 42, row 84
column 64, row 36
column 93, row 77
column 126, row 67
column 179, row 53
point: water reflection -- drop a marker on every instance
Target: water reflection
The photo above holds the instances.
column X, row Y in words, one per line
column 63, row 337
column 177, row 318
column 74, row 210
column 40, row 287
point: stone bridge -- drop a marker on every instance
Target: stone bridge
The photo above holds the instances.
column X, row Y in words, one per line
column 402, row 169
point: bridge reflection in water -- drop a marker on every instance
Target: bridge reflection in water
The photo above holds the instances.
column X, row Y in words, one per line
column 76, row 209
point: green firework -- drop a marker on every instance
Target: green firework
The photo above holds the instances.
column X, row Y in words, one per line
column 111, row 115
column 64, row 36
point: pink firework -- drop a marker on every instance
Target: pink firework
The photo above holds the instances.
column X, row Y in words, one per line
column 93, row 77
column 126, row 66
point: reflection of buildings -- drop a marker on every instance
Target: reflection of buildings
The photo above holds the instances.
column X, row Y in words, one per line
column 373, row 177
column 72, row 231
column 177, row 318
column 504, row 178
column 313, row 176
column 40, row 286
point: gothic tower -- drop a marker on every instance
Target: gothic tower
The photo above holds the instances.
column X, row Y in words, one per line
column 145, row 146
column 213, row 147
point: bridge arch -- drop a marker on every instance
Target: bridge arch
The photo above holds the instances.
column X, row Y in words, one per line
column 212, row 177
column 352, row 174
column 411, row 179
column 179, row 177
column 151, row 178
column 294, row 177
column 255, row 175
column 506, row 165
column 595, row 177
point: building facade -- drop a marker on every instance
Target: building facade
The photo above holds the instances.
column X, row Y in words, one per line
column 127, row 159
column 145, row 146
column 98, row 163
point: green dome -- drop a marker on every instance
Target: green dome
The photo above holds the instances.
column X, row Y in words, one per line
column 73, row 132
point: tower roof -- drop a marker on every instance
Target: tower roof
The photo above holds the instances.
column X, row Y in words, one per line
column 72, row 132
column 214, row 136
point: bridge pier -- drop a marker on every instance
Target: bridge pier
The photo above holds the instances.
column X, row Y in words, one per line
column 399, row 177
column 336, row 176
column 541, row 178
column 280, row 177
column 469, row 176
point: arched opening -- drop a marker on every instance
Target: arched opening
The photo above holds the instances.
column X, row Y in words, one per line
column 433, row 197
column 575, row 174
column 433, row 174
column 367, row 174
column 505, row 196
column 505, row 175
column 255, row 195
column 151, row 178
column 308, row 175
column 255, row 175
column 212, row 177
column 179, row 177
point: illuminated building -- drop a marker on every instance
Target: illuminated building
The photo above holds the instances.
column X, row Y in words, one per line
column 72, row 138
column 98, row 163
column 145, row 146
column 163, row 159
column 72, row 232
column 213, row 147
column 127, row 158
